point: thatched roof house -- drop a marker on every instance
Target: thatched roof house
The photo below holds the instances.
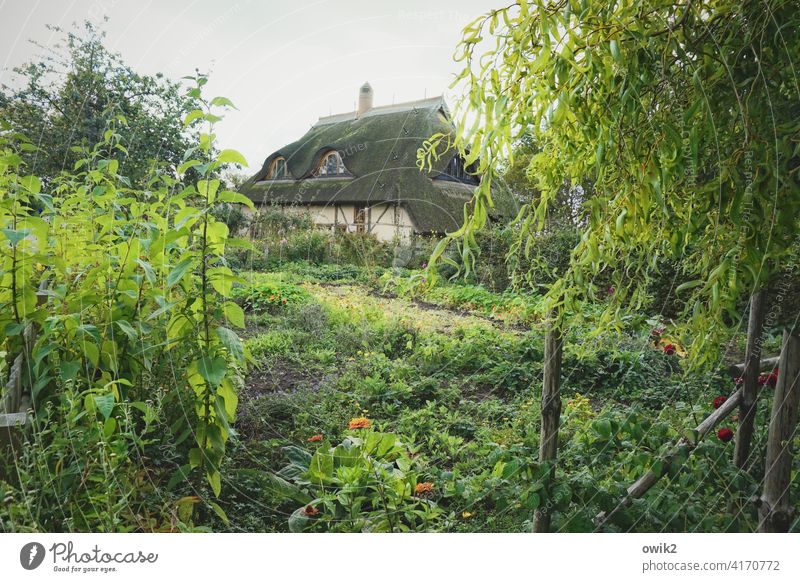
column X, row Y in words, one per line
column 357, row 171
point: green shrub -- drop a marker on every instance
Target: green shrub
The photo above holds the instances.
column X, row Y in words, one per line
column 266, row 295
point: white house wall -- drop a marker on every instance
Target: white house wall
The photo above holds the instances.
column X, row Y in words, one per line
column 386, row 221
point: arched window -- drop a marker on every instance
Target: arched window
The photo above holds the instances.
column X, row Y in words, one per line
column 331, row 164
column 277, row 169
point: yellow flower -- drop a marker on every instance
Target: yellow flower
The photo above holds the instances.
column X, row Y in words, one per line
column 359, row 422
column 466, row 514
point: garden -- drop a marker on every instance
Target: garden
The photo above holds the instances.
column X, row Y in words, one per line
column 623, row 355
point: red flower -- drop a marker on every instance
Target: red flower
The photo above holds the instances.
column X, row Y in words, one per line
column 719, row 401
column 310, row 511
column 738, row 380
column 316, row 438
column 724, row 434
column 669, row 349
column 772, row 379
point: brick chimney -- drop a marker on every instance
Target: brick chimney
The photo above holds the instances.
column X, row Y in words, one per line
column 364, row 99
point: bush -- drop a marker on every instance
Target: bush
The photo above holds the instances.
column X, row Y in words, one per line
column 267, row 295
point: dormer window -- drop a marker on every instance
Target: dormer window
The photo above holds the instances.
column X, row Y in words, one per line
column 456, row 170
column 277, row 169
column 331, row 164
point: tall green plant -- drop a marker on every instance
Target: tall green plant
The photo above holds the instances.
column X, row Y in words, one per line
column 204, row 282
column 132, row 309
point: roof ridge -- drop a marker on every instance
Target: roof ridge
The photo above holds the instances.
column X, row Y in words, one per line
column 394, row 107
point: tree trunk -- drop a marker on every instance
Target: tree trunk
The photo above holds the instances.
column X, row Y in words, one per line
column 752, row 361
column 551, row 414
column 776, row 512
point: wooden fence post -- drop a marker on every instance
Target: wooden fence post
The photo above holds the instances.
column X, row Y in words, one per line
column 550, row 413
column 747, row 407
column 776, row 511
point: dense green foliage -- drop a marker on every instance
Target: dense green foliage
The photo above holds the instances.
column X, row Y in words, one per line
column 457, row 394
column 124, row 285
column 683, row 115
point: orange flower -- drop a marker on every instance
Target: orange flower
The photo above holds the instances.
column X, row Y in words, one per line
column 315, row 439
column 423, row 489
column 310, row 511
column 360, row 422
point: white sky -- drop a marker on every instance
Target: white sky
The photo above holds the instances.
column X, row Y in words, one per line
column 283, row 64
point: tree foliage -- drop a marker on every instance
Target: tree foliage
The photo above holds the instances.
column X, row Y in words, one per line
column 67, row 98
column 684, row 114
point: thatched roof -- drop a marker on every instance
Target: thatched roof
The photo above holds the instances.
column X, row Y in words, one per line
column 379, row 148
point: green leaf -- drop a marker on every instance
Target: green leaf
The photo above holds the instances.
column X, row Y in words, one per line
column 688, row 285
column 109, row 427
column 149, row 272
column 69, row 370
column 127, row 329
column 320, row 469
column 298, row 520
column 179, row 270
column 215, row 480
column 188, row 164
column 104, row 403
column 235, row 198
column 208, row 189
column 15, row 236
column 179, row 476
column 231, row 341
column 31, row 183
column 192, row 116
column 222, row 102
column 233, row 313
column 220, row 513
column 195, row 458
column 297, row 456
column 231, row 157
column 614, row 45
column 222, row 279
column 603, row 427
column 212, row 370
column 283, row 488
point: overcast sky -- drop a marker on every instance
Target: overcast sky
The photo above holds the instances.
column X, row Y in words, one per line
column 283, row 64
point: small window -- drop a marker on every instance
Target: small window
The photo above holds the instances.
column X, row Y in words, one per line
column 331, row 164
column 360, row 218
column 456, row 170
column 277, row 169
